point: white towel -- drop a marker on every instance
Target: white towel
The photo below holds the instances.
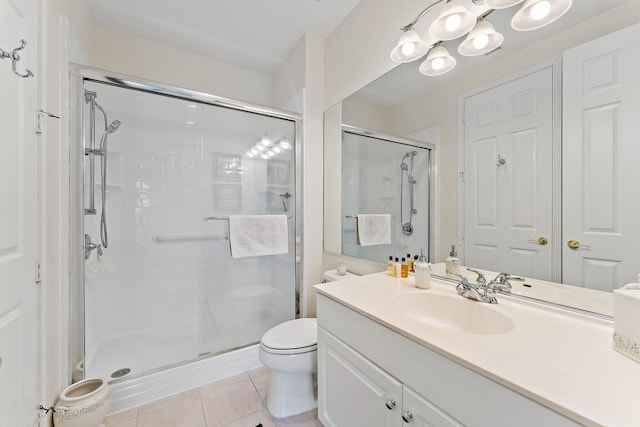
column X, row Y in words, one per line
column 373, row 229
column 258, row 235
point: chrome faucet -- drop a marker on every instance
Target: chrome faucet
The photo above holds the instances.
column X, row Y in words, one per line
column 474, row 292
column 501, row 282
column 480, row 280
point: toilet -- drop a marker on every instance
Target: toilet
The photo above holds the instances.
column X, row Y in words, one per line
column 290, row 351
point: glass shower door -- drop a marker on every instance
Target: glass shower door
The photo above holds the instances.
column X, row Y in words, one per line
column 374, row 181
column 165, row 289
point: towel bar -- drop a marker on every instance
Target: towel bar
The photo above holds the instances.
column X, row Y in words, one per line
column 167, row 239
column 224, row 218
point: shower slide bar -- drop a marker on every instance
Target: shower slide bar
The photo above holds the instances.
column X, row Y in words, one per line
column 168, row 239
column 222, row 218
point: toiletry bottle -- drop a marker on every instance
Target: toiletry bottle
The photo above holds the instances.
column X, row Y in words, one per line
column 415, row 259
column 409, row 262
column 390, row 266
column 397, row 269
column 453, row 262
column 404, row 268
column 423, row 272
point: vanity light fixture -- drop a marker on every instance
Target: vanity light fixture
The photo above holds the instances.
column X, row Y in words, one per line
column 266, row 149
column 455, row 20
column 538, row 13
column 438, row 62
column 482, row 39
column 501, row 4
column 410, row 47
column 284, row 143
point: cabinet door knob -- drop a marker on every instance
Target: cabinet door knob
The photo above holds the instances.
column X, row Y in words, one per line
column 407, row 416
column 390, row 403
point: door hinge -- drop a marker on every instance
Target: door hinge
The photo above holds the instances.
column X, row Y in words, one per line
column 38, row 272
column 461, row 175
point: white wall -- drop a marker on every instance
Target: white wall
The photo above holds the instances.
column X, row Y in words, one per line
column 365, row 116
column 357, row 51
column 128, row 54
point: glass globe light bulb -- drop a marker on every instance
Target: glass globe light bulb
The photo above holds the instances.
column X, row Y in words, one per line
column 540, row 10
column 481, row 41
column 408, row 48
column 452, row 22
column 437, row 64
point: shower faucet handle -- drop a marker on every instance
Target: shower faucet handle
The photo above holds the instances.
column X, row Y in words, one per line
column 89, row 246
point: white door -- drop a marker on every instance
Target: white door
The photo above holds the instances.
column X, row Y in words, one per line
column 18, row 358
column 508, row 157
column 601, row 158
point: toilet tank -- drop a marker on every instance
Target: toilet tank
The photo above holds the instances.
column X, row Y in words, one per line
column 332, row 276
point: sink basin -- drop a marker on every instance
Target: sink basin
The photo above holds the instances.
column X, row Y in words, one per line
column 453, row 313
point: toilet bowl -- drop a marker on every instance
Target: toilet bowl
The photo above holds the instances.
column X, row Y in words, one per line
column 290, row 351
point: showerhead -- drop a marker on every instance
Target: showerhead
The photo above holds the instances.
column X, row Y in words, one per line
column 110, row 129
column 113, row 126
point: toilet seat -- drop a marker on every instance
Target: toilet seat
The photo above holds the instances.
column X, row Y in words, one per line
column 291, row 337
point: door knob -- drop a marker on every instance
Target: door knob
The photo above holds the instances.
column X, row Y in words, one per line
column 540, row 241
column 407, row 416
column 390, row 403
column 574, row 244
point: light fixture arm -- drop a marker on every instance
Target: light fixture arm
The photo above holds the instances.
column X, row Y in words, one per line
column 421, row 14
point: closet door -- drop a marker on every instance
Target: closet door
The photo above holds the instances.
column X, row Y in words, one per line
column 508, row 180
column 601, row 153
column 18, row 221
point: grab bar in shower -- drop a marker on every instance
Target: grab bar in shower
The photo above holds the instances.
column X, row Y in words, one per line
column 222, row 218
column 168, row 239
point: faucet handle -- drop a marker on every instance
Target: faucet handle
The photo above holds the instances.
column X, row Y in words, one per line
column 481, row 280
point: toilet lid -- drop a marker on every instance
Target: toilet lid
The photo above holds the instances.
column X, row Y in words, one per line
column 293, row 334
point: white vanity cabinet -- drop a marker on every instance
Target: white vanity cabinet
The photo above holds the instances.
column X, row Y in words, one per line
column 355, row 392
column 365, row 367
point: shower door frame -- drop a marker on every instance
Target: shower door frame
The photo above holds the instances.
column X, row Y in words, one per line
column 78, row 74
column 432, row 222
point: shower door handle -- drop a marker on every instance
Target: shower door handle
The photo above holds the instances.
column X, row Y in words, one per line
column 284, row 203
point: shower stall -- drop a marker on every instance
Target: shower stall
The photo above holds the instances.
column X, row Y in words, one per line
column 387, row 175
column 157, row 172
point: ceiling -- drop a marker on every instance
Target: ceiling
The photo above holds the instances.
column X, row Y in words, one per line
column 255, row 34
column 405, row 81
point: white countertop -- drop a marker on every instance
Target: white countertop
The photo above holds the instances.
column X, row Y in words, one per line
column 561, row 359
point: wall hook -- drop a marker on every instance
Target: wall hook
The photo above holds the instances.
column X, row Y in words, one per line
column 501, row 161
column 14, row 57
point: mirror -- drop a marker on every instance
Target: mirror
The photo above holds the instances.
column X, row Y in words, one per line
column 405, row 103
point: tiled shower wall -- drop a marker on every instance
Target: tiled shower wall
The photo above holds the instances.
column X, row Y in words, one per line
column 166, row 281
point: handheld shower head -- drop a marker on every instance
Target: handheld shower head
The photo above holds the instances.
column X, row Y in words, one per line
column 110, row 129
column 114, row 126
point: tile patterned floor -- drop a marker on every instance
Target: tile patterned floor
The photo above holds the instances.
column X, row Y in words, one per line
column 238, row 401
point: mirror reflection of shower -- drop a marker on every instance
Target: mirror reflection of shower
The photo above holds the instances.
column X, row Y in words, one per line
column 407, row 227
column 100, row 150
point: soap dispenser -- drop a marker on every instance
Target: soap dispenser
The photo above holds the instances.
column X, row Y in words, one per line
column 423, row 272
column 453, row 262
